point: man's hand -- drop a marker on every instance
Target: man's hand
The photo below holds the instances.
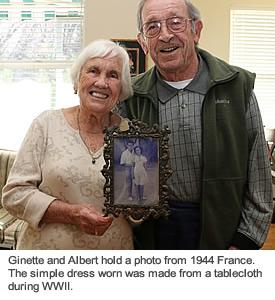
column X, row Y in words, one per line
column 233, row 248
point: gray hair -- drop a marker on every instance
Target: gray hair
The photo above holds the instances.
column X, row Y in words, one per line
column 192, row 10
column 104, row 49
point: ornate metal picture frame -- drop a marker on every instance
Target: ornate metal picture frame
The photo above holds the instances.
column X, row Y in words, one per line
column 137, row 166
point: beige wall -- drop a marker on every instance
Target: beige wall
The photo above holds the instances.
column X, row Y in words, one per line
column 120, row 20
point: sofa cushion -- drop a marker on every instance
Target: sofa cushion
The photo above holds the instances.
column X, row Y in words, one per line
column 6, row 161
column 7, row 222
column 11, row 233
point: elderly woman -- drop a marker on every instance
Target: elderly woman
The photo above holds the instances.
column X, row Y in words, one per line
column 56, row 184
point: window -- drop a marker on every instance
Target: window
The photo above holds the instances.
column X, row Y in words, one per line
column 26, row 15
column 252, row 46
column 39, row 41
column 49, row 15
column 4, row 15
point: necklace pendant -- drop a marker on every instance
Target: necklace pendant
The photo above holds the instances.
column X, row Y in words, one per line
column 93, row 161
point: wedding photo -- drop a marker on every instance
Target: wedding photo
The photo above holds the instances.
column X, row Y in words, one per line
column 136, row 171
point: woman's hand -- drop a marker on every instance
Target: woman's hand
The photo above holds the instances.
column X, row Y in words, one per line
column 90, row 220
column 85, row 216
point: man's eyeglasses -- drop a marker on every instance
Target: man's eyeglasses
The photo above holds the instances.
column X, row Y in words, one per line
column 174, row 24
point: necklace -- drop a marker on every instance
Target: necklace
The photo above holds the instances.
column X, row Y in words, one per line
column 94, row 157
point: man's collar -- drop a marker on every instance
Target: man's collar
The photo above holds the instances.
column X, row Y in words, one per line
column 164, row 90
column 199, row 84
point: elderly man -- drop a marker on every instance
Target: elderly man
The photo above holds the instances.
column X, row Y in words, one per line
column 127, row 161
column 220, row 190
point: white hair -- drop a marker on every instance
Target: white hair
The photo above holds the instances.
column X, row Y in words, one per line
column 104, row 49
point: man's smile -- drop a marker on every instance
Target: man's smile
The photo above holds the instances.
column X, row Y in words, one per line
column 169, row 49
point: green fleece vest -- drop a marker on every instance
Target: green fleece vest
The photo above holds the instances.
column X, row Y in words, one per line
column 224, row 149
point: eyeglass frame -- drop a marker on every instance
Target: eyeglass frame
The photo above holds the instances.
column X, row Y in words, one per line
column 159, row 22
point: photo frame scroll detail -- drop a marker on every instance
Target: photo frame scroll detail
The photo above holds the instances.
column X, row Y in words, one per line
column 137, row 166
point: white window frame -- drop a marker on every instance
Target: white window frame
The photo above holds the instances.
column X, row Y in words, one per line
column 252, row 46
column 17, row 109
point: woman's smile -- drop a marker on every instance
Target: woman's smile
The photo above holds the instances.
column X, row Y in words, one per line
column 99, row 95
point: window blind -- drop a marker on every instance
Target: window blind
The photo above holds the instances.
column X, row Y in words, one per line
column 252, row 46
column 38, row 42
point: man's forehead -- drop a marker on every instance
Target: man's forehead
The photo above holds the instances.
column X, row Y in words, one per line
column 154, row 9
column 163, row 4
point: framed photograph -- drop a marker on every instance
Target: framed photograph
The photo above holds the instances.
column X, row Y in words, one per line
column 136, row 171
column 136, row 55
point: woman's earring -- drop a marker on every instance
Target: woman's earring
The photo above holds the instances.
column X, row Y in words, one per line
column 75, row 91
column 115, row 109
